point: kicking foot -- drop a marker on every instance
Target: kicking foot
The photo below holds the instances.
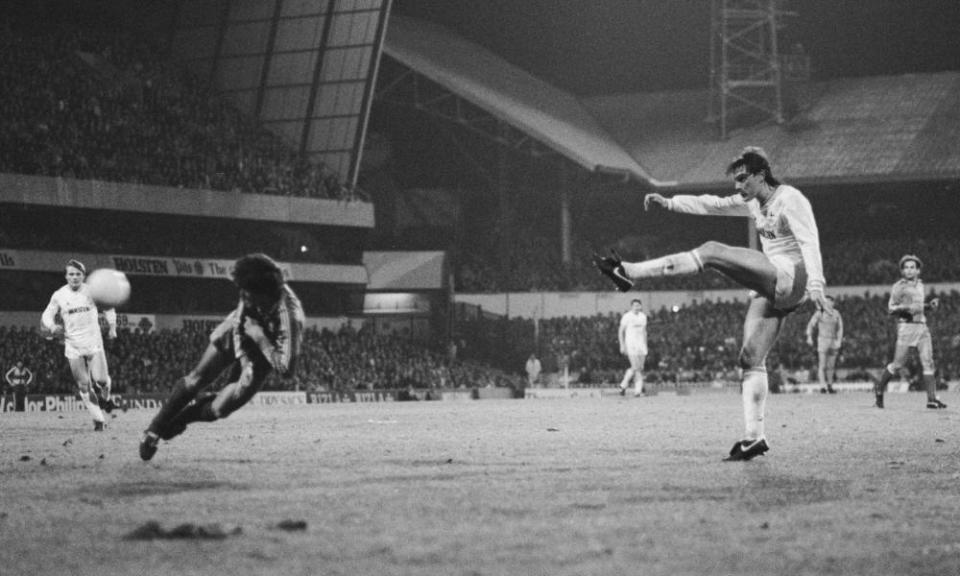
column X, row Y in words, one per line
column 148, row 445
column 747, row 450
column 623, row 391
column 612, row 267
column 97, row 426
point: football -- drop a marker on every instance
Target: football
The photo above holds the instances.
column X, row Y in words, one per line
column 108, row 287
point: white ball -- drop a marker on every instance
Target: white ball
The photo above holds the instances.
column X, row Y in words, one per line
column 108, row 287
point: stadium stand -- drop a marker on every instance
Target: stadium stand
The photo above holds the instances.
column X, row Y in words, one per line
column 89, row 104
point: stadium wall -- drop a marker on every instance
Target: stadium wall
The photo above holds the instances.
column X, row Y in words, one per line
column 206, row 268
column 149, row 322
column 95, row 194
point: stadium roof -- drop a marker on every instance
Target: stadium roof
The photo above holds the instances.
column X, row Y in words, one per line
column 862, row 129
column 552, row 116
column 856, row 129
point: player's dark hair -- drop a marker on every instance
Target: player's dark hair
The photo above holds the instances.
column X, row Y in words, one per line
column 754, row 161
column 258, row 273
column 637, row 300
column 911, row 258
column 76, row 264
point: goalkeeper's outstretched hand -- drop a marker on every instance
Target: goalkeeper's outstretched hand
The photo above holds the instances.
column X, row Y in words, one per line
column 612, row 267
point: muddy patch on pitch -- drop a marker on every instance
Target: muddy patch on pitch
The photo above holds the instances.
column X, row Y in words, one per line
column 776, row 490
column 160, row 487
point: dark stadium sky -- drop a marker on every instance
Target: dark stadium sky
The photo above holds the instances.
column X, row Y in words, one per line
column 609, row 46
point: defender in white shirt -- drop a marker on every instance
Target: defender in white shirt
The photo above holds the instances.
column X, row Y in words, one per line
column 632, row 336
column 781, row 277
column 82, row 339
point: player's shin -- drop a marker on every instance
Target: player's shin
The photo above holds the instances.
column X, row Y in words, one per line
column 199, row 411
column 673, row 265
column 931, row 384
column 881, row 385
column 754, row 402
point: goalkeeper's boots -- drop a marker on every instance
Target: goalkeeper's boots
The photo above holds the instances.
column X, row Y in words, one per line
column 97, row 426
column 747, row 450
column 148, row 444
column 935, row 404
column 612, row 267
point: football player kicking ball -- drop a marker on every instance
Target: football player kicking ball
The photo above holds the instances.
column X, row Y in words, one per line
column 781, row 277
column 262, row 334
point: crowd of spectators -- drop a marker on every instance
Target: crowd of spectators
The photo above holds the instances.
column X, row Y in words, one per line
column 534, row 265
column 151, row 361
column 695, row 343
column 701, row 342
column 108, row 105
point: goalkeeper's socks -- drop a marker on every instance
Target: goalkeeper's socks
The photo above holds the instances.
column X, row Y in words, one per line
column 180, row 396
column 199, row 411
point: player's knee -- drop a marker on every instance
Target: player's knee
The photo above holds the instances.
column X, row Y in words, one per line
column 191, row 381
column 710, row 250
column 748, row 359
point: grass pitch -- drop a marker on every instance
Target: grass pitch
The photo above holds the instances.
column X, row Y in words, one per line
column 498, row 487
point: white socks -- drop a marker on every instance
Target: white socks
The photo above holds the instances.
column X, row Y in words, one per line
column 95, row 410
column 673, row 265
column 754, row 402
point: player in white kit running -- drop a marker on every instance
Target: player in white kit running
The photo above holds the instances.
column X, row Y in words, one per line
column 781, row 277
column 79, row 327
column 632, row 336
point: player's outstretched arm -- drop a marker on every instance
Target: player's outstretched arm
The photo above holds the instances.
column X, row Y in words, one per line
column 820, row 299
column 654, row 198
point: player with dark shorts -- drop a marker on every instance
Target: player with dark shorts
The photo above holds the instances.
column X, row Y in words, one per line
column 261, row 335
